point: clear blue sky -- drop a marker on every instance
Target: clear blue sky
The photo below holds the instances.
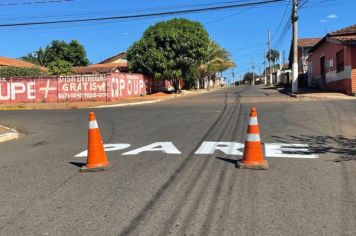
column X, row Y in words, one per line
column 242, row 31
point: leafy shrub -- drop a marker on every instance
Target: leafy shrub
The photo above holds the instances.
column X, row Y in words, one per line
column 60, row 67
column 11, row 71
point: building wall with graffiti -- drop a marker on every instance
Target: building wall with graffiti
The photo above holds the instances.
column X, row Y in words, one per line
column 72, row 88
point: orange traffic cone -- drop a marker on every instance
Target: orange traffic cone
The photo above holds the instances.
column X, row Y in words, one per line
column 96, row 160
column 253, row 155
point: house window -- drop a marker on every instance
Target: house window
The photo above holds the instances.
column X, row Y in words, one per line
column 340, row 60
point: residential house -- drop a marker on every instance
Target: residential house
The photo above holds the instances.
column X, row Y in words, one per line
column 284, row 74
column 304, row 45
column 117, row 63
column 332, row 62
column 118, row 58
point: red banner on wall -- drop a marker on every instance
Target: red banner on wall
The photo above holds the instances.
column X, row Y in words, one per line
column 72, row 88
column 82, row 88
column 126, row 85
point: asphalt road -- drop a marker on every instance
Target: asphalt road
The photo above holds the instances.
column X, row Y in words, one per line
column 154, row 193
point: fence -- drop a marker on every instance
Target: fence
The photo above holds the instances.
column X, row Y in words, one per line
column 71, row 88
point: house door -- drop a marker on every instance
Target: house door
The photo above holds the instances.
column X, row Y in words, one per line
column 322, row 70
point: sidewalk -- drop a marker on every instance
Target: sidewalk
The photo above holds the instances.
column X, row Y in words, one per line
column 314, row 93
column 152, row 98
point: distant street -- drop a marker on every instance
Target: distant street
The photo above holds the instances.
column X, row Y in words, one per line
column 155, row 193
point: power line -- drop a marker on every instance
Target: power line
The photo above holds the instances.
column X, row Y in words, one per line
column 285, row 30
column 120, row 11
column 323, row 3
column 302, row 4
column 282, row 19
column 143, row 15
column 34, row 2
column 86, row 14
column 283, row 34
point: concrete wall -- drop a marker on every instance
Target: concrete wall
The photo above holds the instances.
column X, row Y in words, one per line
column 71, row 88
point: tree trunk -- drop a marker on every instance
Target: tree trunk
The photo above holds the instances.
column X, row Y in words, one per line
column 176, row 85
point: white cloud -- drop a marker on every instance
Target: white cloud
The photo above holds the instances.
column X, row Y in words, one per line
column 332, row 16
column 323, row 21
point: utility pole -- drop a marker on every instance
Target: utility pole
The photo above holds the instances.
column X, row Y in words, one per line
column 283, row 59
column 295, row 47
column 253, row 73
column 279, row 70
column 269, row 59
column 233, row 76
column 264, row 68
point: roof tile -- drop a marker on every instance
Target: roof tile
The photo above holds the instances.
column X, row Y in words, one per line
column 100, row 68
column 5, row 61
column 308, row 41
column 344, row 31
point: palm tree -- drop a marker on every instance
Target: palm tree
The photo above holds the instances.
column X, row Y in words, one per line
column 217, row 60
column 272, row 55
column 39, row 57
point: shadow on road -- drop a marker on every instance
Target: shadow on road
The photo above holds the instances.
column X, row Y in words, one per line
column 78, row 164
column 273, row 88
column 340, row 145
column 279, row 88
column 232, row 161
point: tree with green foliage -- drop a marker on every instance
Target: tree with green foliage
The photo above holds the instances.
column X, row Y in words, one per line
column 60, row 67
column 248, row 77
column 216, row 60
column 11, row 71
column 72, row 52
column 169, row 50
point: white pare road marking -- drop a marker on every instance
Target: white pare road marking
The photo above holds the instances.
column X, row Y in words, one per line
column 107, row 148
column 229, row 148
column 165, row 147
column 288, row 150
column 282, row 150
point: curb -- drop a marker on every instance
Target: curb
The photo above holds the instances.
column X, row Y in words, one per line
column 119, row 104
column 153, row 101
column 293, row 95
column 328, row 97
column 10, row 135
column 14, row 108
column 129, row 104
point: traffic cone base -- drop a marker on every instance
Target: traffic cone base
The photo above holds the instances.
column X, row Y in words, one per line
column 254, row 165
column 94, row 169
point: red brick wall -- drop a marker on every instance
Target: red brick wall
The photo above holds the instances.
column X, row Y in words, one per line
column 343, row 86
column 353, row 59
